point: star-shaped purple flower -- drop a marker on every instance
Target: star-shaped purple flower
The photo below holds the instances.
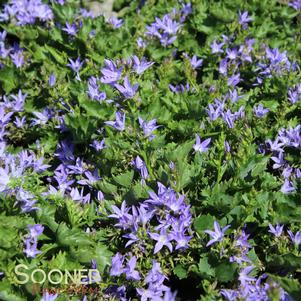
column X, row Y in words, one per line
column 218, row 233
column 163, row 239
column 200, row 146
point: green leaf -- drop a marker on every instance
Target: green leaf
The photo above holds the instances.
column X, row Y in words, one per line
column 287, row 261
column 124, row 179
column 107, row 187
column 102, row 256
column 291, row 286
column 181, row 151
column 71, row 237
column 225, row 272
column 203, row 222
column 205, row 268
column 8, row 79
column 60, row 57
column 260, row 167
column 180, row 272
column 256, row 164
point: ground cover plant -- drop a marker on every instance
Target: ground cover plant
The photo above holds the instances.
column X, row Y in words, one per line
column 159, row 146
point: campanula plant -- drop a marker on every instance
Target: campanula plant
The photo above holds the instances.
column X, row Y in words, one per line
column 157, row 142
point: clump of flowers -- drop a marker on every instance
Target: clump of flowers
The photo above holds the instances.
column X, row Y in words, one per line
column 250, row 287
column 32, row 240
column 171, row 214
column 167, row 28
column 26, row 12
column 285, row 140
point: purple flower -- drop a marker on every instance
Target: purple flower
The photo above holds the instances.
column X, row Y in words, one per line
column 41, row 117
column 145, row 294
column 155, row 276
column 129, row 270
column 140, row 165
column 186, row 9
column 233, row 94
column 276, row 145
column 141, row 43
column 233, row 80
column 51, row 80
column 175, row 204
column 124, row 218
column 3, row 51
column 110, row 73
column 141, row 66
column 296, row 4
column 181, row 239
column 294, row 95
column 27, row 12
column 195, row 62
column 227, row 146
column 132, row 238
column 90, row 178
column 179, row 88
column 127, row 90
column 100, row 196
column 260, row 111
column 164, row 29
column 287, row 171
column 232, row 54
column 38, row 165
column 20, row 122
column 26, row 200
column 277, row 231
column 223, row 66
column 216, row 47
column 278, row 62
column 98, row 145
column 213, row 112
column 119, row 123
column 75, row 66
column 287, row 187
column 242, row 241
column 93, row 90
column 49, row 297
column 4, row 179
column 18, row 58
column 3, row 36
column 4, row 118
column 156, row 288
column 296, row 239
column 163, row 239
column 201, row 146
column 218, row 233
column 229, row 118
column 31, row 248
column 230, row 295
column 244, row 19
column 148, row 127
column 168, row 25
column 244, row 277
column 19, row 101
column 297, row 173
column 117, row 265
column 86, row 13
column 71, row 29
column 65, row 151
column 145, row 214
column 35, row 230
column 115, row 22
column 79, row 196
